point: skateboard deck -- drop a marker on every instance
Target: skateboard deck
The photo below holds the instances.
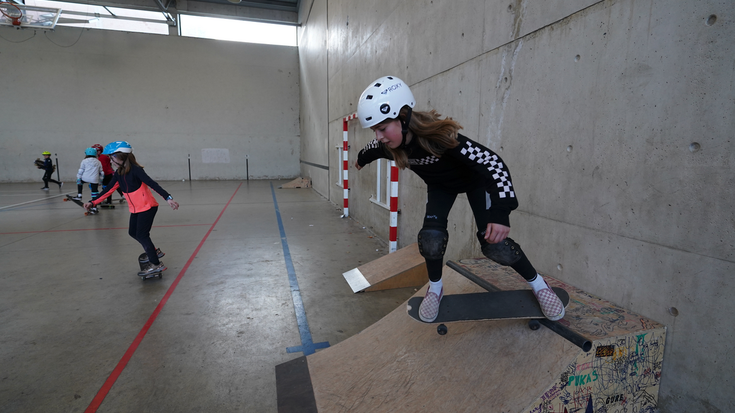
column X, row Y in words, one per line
column 157, row 274
column 81, row 204
column 501, row 305
column 111, row 204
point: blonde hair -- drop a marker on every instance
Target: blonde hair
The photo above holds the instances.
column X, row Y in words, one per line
column 433, row 134
column 127, row 159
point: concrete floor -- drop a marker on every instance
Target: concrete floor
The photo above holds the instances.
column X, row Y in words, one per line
column 78, row 328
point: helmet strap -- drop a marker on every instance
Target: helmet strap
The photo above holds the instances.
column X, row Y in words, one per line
column 404, row 126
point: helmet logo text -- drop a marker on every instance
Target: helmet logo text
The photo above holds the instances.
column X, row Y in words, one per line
column 391, row 88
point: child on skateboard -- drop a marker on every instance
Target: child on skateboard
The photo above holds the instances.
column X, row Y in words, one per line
column 135, row 184
column 107, row 170
column 90, row 171
column 449, row 163
column 48, row 168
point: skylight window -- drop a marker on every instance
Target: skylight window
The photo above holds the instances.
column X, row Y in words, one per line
column 155, row 22
column 237, row 30
column 106, row 18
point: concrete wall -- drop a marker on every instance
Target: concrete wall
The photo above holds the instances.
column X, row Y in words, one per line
column 616, row 119
column 317, row 156
column 169, row 96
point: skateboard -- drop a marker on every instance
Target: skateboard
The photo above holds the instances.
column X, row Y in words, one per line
column 143, row 264
column 40, row 164
column 111, row 205
column 92, row 211
column 501, row 305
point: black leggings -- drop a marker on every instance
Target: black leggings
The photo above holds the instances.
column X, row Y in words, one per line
column 140, row 229
column 47, row 178
column 438, row 204
column 94, row 188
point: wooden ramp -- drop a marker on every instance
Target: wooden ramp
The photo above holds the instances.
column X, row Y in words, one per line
column 297, row 183
column 403, row 268
column 401, row 365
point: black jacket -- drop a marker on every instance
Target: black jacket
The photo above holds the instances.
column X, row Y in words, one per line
column 459, row 170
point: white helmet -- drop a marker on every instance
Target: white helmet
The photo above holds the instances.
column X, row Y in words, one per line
column 382, row 100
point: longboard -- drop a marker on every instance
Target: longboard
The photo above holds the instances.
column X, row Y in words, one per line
column 81, row 204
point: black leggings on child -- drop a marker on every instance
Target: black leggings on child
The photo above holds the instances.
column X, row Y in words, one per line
column 438, row 204
column 140, row 229
column 47, row 178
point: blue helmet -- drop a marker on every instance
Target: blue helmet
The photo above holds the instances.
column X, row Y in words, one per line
column 90, row 152
column 115, row 147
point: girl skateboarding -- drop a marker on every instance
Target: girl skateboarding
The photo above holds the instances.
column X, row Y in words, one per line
column 135, row 184
column 449, row 163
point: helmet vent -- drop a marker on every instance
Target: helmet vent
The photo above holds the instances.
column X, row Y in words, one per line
column 369, row 118
column 369, row 97
column 377, row 85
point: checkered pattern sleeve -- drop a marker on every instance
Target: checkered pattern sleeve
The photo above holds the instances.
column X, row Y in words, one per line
column 499, row 186
column 372, row 151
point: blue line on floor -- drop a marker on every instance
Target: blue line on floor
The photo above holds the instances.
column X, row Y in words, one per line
column 307, row 343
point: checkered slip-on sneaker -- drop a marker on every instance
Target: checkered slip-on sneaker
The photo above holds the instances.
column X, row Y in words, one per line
column 429, row 308
column 551, row 305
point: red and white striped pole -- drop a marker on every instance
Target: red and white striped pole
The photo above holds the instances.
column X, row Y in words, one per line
column 346, row 164
column 393, row 207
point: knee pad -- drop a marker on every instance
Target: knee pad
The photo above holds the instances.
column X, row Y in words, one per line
column 506, row 252
column 433, row 243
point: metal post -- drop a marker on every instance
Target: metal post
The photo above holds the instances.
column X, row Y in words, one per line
column 58, row 170
column 393, row 230
column 189, row 159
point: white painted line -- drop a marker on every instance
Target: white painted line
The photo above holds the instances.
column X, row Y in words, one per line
column 30, row 202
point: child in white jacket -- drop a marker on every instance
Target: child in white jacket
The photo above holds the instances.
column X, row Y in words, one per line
column 90, row 171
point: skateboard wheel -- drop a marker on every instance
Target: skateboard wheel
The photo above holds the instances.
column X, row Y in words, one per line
column 441, row 329
column 66, row 199
column 534, row 325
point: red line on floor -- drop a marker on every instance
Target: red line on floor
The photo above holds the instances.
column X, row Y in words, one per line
column 102, row 393
column 96, row 229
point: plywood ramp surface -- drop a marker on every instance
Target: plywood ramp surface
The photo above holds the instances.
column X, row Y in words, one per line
column 297, row 183
column 401, row 365
column 621, row 372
